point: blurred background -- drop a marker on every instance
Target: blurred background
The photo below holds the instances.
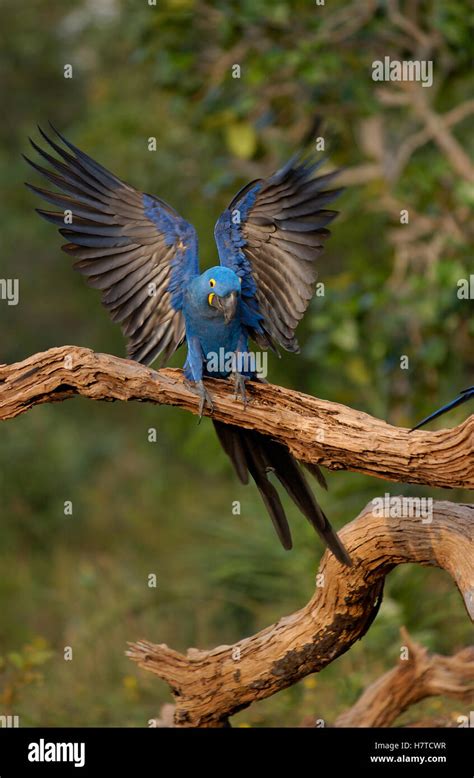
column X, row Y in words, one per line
column 165, row 508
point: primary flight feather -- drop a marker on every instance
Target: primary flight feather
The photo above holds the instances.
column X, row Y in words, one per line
column 143, row 256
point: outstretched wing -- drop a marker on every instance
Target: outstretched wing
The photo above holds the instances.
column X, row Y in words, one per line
column 271, row 234
column 132, row 246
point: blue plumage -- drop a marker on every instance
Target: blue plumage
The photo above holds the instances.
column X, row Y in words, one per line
column 180, row 237
column 464, row 396
column 207, row 332
column 143, row 257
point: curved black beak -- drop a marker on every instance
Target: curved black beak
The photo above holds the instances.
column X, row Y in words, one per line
column 226, row 305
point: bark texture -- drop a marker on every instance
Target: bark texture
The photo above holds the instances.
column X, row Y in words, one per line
column 209, row 686
column 314, row 430
column 417, row 676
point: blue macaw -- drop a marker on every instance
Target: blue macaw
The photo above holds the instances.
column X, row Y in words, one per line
column 143, row 256
column 464, row 396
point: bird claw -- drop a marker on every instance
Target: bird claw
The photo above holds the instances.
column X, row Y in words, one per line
column 197, row 387
column 205, row 399
column 239, row 388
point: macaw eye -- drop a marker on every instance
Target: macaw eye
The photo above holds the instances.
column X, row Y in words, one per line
column 212, row 282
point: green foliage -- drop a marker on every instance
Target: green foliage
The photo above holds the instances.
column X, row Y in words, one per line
column 20, row 669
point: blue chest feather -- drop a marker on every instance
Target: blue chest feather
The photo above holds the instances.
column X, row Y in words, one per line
column 210, row 328
column 216, row 338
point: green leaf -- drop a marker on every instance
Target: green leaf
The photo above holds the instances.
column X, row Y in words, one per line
column 241, row 139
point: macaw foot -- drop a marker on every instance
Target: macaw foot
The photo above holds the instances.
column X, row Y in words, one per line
column 204, row 396
column 239, row 387
column 205, row 399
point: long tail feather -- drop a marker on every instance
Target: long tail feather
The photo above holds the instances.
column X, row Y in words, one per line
column 464, row 396
column 259, row 455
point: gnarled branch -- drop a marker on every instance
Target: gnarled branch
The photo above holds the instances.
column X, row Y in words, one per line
column 210, row 686
column 314, row 430
column 417, row 675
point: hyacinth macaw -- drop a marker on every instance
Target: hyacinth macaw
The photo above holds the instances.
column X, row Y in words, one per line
column 464, row 396
column 143, row 257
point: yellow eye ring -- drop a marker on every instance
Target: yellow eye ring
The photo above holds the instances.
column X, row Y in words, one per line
column 212, row 283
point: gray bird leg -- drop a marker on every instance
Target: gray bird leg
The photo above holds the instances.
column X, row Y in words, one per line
column 239, row 387
column 199, row 388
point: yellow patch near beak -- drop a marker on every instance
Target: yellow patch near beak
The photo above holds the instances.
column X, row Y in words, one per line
column 210, row 298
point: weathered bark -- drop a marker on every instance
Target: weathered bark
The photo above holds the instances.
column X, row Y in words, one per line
column 210, row 686
column 314, row 430
column 416, row 677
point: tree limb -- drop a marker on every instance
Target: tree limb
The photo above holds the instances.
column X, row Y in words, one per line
column 423, row 39
column 415, row 677
column 317, row 431
column 436, row 125
column 210, row 686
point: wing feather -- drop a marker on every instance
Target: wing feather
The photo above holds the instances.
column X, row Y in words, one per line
column 131, row 246
column 271, row 235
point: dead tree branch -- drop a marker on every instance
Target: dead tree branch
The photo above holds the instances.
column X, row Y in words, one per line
column 415, row 677
column 436, row 125
column 314, row 430
column 210, row 686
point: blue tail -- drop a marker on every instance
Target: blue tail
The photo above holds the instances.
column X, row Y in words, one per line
column 464, row 396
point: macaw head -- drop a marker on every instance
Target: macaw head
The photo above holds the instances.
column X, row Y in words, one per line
column 220, row 289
